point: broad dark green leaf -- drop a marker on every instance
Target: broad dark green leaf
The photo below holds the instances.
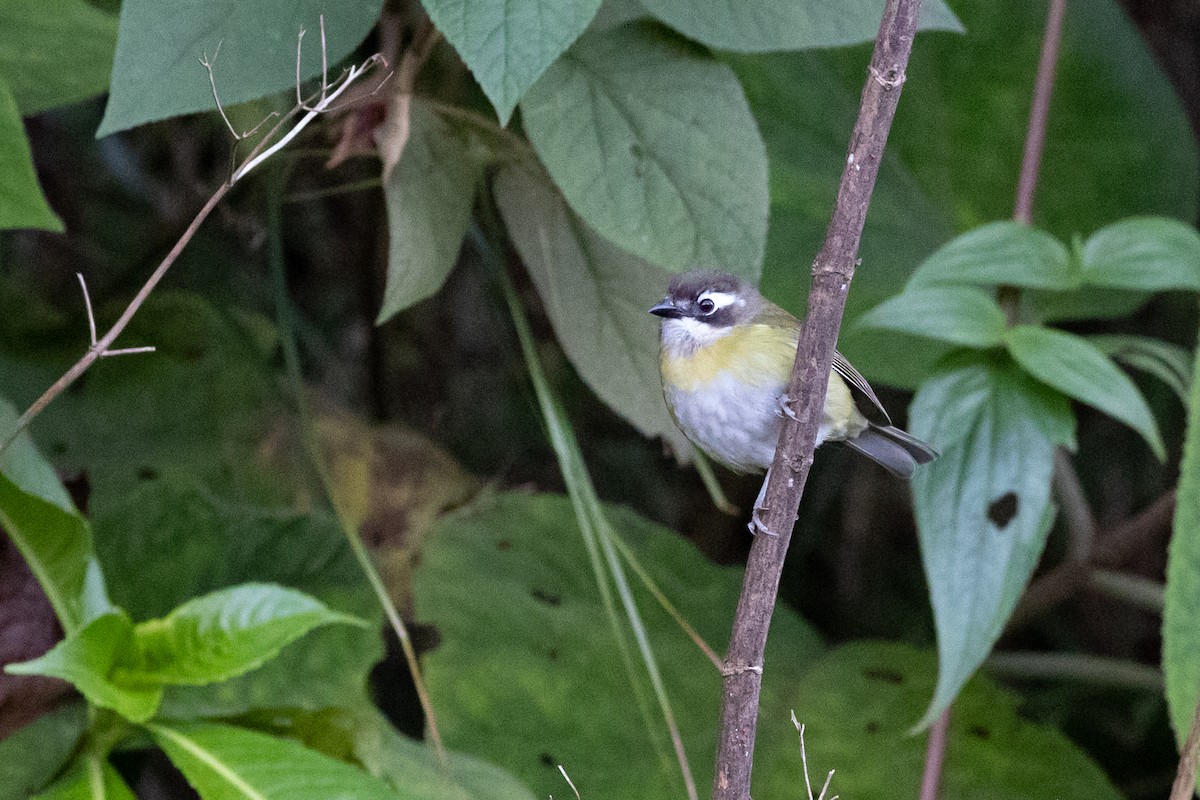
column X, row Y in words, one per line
column 34, row 754
column 527, row 674
column 411, row 768
column 92, row 778
column 36, row 37
column 22, row 204
column 653, row 144
column 429, row 196
column 190, row 543
column 225, row 634
column 955, row 314
column 55, row 540
column 90, row 657
column 1078, row 369
column 508, row 44
column 1143, row 253
column 156, row 72
column 1001, row 253
column 862, row 697
column 1168, row 362
column 983, row 506
column 764, row 25
column 596, row 296
column 1181, row 646
column 222, row 762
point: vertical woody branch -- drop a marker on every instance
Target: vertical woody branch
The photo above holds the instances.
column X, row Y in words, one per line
column 832, row 271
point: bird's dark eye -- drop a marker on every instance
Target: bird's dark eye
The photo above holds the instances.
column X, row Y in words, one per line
column 707, row 306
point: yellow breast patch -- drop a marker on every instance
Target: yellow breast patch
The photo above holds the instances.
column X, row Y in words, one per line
column 759, row 355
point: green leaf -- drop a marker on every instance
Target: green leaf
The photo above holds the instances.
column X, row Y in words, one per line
column 1006, row 253
column 413, row 771
column 225, row 634
column 653, row 144
column 40, row 519
column 1181, row 646
column 1146, row 253
column 31, row 53
column 156, row 73
column 22, row 204
column 33, row 755
column 1168, row 362
column 1078, row 369
column 765, row 25
column 508, row 44
column 189, row 544
column 861, row 697
column 983, row 507
column 222, row 762
column 954, row 314
column 429, row 196
column 527, row 673
column 92, row 778
column 89, row 659
column 596, row 296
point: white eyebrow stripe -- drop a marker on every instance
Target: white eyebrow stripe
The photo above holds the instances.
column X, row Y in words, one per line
column 719, row 299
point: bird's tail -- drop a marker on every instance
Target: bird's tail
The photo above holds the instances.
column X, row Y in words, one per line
column 893, row 449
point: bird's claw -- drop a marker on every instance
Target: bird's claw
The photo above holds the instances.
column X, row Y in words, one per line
column 785, row 408
column 757, row 526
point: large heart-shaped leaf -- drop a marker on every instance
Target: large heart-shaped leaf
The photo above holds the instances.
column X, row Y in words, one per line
column 983, row 506
column 653, row 144
column 156, row 73
column 508, row 44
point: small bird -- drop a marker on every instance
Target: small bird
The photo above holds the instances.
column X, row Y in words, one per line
column 727, row 355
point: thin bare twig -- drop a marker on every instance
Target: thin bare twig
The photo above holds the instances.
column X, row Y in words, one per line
column 832, row 271
column 570, row 782
column 804, row 764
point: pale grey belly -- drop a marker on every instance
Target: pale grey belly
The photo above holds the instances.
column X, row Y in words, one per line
column 735, row 424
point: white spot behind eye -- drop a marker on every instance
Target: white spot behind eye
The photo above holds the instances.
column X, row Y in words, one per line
column 719, row 299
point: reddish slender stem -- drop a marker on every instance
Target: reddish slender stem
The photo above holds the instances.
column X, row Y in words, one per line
column 935, row 757
column 1039, row 113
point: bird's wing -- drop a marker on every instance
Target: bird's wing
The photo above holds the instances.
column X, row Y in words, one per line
column 858, row 384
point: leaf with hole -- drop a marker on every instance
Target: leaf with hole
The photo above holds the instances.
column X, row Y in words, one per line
column 653, row 144
column 764, row 25
column 508, row 44
column 156, row 71
column 1078, row 369
column 983, row 506
column 954, row 314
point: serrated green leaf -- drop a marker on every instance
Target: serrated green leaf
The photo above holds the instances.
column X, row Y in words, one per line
column 222, row 762
column 527, row 670
column 1002, row 253
column 653, row 144
column 1078, row 369
column 92, row 778
column 508, row 44
column 191, row 543
column 861, row 698
column 1168, row 362
column 1144, row 253
column 22, row 204
column 1181, row 644
column 225, row 634
column 596, row 296
column 33, row 755
column 89, row 659
column 765, row 25
column 429, row 197
column 37, row 34
column 156, row 73
column 955, row 314
column 983, row 506
column 55, row 540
